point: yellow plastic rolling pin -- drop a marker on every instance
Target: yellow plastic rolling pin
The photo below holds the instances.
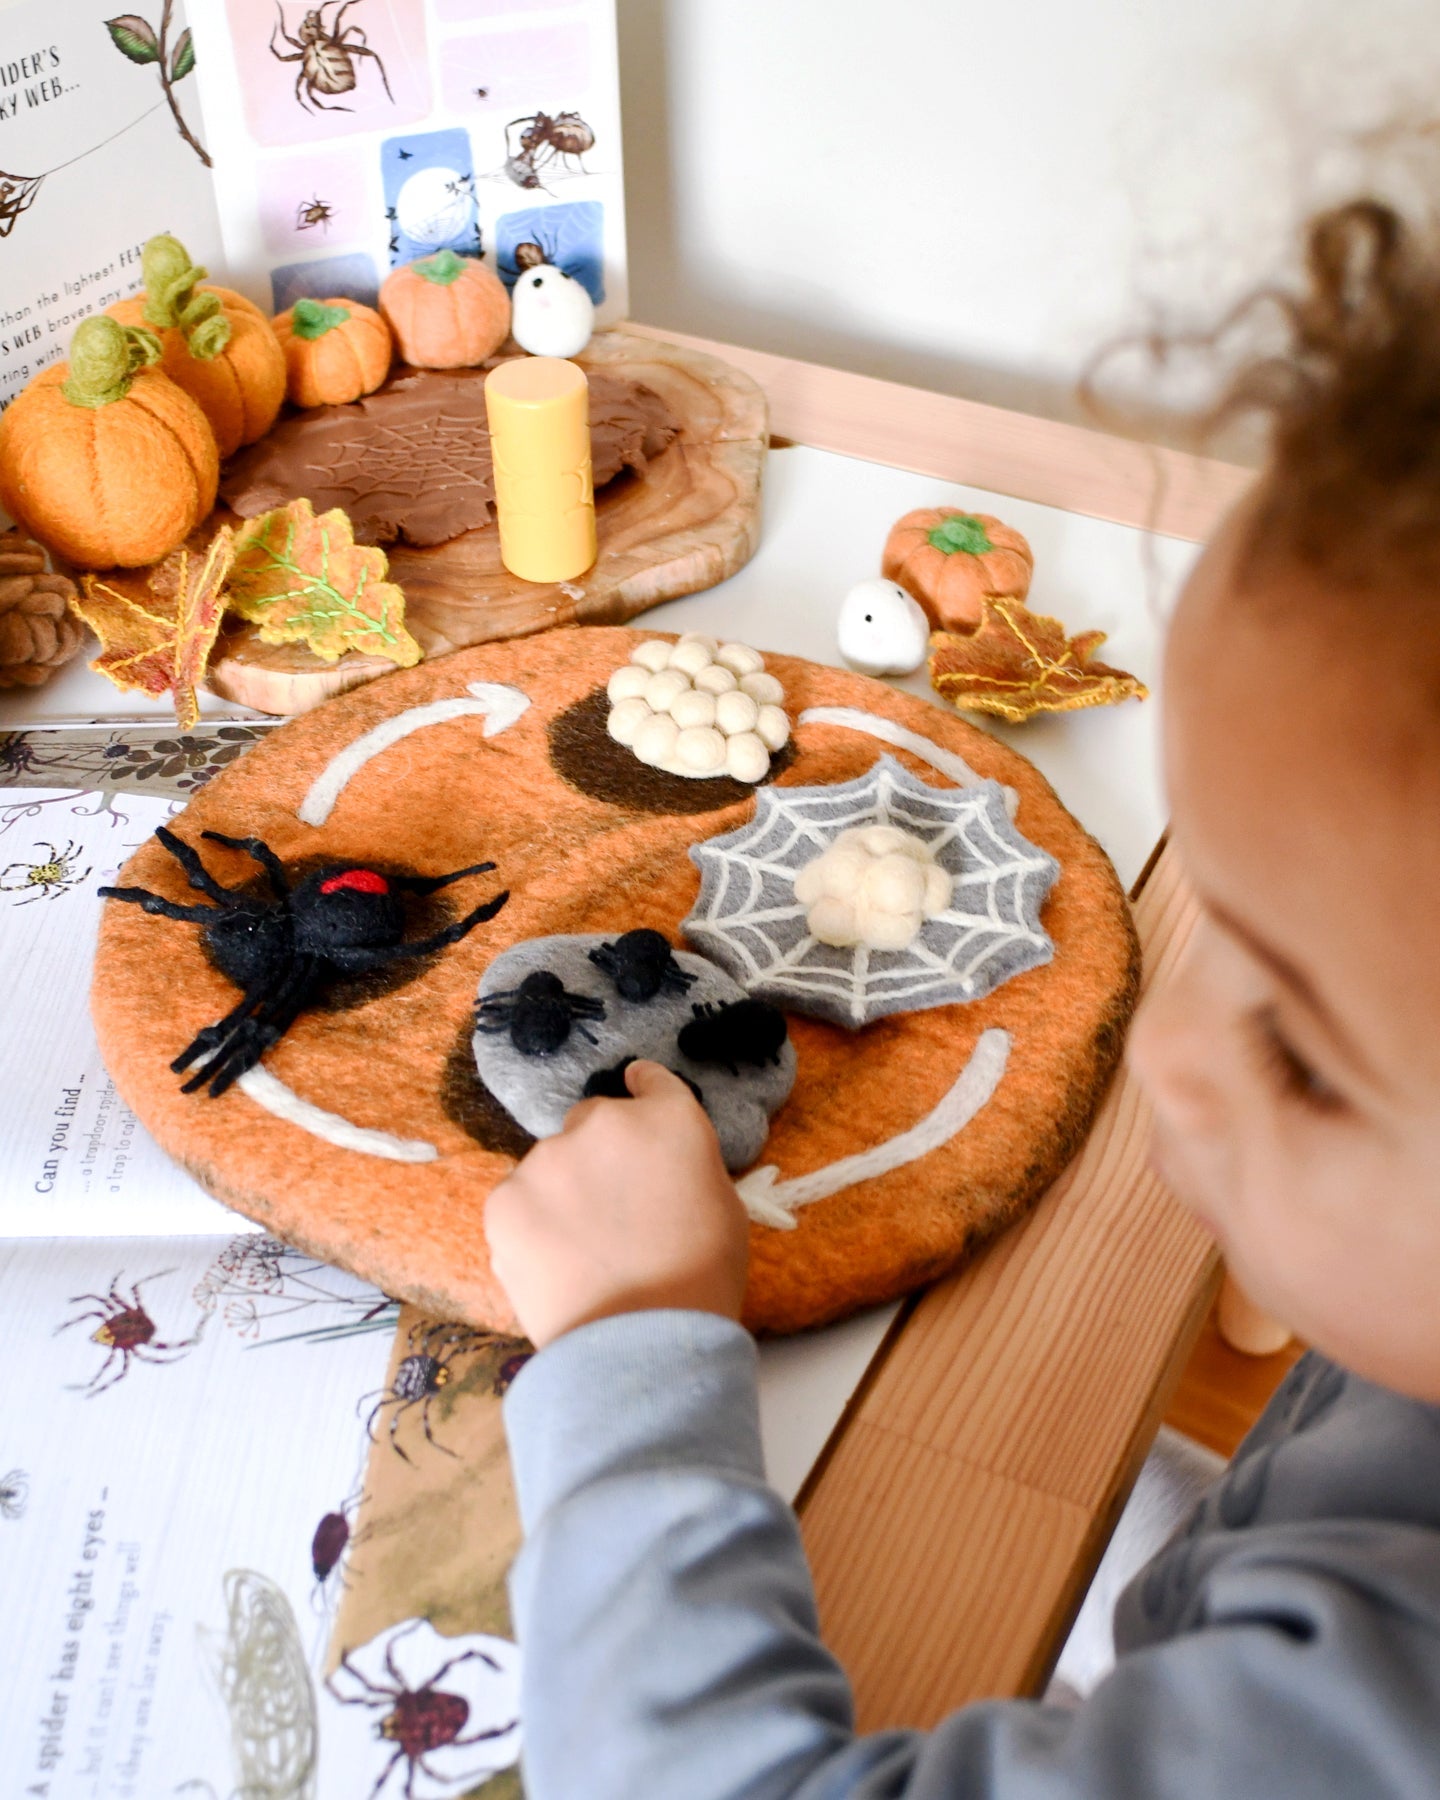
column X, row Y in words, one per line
column 539, row 413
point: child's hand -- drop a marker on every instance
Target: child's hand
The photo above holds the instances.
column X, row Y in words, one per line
column 628, row 1208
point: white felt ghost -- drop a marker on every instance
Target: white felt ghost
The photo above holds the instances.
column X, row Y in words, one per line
column 881, row 629
column 552, row 315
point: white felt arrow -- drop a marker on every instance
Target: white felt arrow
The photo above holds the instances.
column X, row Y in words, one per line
column 770, row 1201
column 500, row 706
column 853, row 718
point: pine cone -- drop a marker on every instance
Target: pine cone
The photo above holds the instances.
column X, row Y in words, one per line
column 39, row 630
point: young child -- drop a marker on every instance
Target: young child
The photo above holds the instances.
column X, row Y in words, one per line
column 1288, row 1643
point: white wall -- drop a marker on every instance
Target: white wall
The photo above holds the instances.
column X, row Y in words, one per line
column 971, row 195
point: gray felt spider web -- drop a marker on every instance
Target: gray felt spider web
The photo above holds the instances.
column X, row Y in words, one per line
column 748, row 920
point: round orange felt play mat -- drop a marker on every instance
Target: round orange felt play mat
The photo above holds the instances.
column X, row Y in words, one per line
column 587, row 840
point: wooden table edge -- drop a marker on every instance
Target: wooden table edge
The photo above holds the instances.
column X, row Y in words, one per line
column 1104, row 476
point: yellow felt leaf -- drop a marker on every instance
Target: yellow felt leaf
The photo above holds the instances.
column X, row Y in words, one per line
column 303, row 579
column 158, row 638
column 1017, row 663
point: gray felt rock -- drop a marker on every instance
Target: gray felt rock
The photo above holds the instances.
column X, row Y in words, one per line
column 538, row 1091
column 747, row 918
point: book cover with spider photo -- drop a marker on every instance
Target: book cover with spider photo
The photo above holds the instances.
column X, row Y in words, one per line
column 104, row 144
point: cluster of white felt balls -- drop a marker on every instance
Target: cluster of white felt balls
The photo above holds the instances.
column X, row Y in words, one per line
column 698, row 708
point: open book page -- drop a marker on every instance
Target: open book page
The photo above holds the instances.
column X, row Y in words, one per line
column 74, row 1161
column 352, row 138
column 101, row 146
column 182, row 1419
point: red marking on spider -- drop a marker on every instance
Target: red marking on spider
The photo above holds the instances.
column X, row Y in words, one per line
column 358, row 881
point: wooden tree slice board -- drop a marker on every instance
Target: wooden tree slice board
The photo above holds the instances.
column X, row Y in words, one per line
column 689, row 521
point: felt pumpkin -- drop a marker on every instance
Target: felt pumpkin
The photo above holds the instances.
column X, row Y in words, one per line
column 215, row 344
column 104, row 458
column 948, row 559
column 446, row 311
column 335, row 351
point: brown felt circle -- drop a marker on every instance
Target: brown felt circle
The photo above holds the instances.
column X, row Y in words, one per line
column 585, row 755
column 473, row 1107
column 446, row 796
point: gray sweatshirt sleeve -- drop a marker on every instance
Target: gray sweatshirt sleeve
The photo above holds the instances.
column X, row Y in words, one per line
column 667, row 1621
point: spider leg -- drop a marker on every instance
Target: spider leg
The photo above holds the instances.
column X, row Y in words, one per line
column 196, row 873
column 159, row 906
column 455, row 1661
column 480, row 1737
column 425, row 1427
column 364, row 1681
column 363, row 50
column 80, row 1318
column 97, row 1385
column 402, row 1686
column 589, row 1036
column 257, row 852
column 427, row 884
column 395, row 1443
column 359, row 962
column 252, row 1036
column 207, row 1042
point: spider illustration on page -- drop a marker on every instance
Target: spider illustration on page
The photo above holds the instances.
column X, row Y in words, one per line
column 127, row 1331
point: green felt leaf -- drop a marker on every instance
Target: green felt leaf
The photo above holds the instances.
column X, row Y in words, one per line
column 133, row 37
column 303, row 579
column 183, row 60
column 960, row 532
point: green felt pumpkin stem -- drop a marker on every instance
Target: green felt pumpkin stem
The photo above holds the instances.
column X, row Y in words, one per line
column 311, row 319
column 442, row 268
column 104, row 359
column 171, row 300
column 960, row 531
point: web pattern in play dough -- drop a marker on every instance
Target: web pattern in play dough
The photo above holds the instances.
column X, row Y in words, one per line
column 750, row 916
column 699, row 709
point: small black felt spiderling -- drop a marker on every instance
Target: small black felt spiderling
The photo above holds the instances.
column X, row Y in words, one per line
column 740, row 1031
column 609, row 1084
column 539, row 1014
column 640, row 964
column 282, row 950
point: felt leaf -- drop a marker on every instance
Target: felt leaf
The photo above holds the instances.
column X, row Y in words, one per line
column 183, row 60
column 1017, row 663
column 133, row 37
column 303, row 579
column 160, row 641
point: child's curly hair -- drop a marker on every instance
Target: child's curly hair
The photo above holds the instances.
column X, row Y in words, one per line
column 1352, row 397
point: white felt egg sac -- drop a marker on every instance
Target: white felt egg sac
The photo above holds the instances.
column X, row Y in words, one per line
column 697, row 709
column 551, row 313
column 882, row 630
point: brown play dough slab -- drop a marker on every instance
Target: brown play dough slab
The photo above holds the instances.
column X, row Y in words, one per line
column 413, row 462
column 447, row 796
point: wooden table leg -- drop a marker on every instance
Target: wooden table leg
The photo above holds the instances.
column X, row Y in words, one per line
column 966, row 1499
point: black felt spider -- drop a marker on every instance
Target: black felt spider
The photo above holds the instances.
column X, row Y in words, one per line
column 740, row 1031
column 539, row 1014
column 283, row 949
column 640, row 964
column 609, row 1084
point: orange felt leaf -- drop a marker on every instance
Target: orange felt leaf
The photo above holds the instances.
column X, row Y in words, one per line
column 1017, row 663
column 302, row 578
column 161, row 641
